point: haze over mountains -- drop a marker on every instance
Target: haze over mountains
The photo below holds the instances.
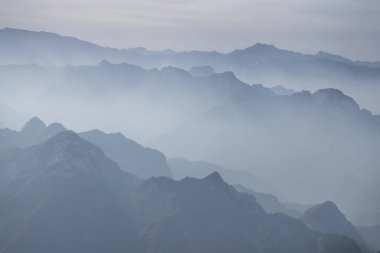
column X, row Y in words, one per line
column 298, row 141
column 182, row 168
column 9, row 117
column 313, row 136
column 259, row 63
column 69, row 193
column 130, row 156
column 371, row 236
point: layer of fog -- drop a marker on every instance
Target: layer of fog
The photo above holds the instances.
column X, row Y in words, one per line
column 312, row 147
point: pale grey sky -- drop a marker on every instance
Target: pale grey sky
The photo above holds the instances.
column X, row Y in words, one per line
column 347, row 27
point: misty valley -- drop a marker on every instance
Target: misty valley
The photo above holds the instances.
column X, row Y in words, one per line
column 261, row 149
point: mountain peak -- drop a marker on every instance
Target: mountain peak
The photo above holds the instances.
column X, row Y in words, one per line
column 65, row 137
column 335, row 96
column 168, row 52
column 330, row 91
column 174, row 72
column 227, row 76
column 202, row 71
column 68, row 147
column 324, row 211
column 214, row 177
column 330, row 205
column 56, row 127
column 138, row 50
column 261, row 47
column 327, row 218
column 34, row 125
column 258, row 49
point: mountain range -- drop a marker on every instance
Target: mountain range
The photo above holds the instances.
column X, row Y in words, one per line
column 310, row 145
column 66, row 195
column 130, row 156
column 222, row 120
column 241, row 180
column 182, row 168
column 269, row 202
column 259, row 63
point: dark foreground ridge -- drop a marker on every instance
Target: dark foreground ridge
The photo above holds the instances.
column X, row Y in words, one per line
column 65, row 195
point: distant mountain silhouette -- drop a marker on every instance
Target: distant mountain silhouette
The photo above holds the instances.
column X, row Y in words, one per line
column 182, row 168
column 326, row 217
column 202, row 71
column 288, row 133
column 271, row 66
column 219, row 118
column 34, row 132
column 269, row 202
column 50, row 48
column 225, row 121
column 66, row 192
column 131, row 156
column 140, row 161
column 259, row 63
column 281, row 90
column 144, row 51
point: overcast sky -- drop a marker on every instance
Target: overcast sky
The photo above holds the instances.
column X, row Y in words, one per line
column 347, row 27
